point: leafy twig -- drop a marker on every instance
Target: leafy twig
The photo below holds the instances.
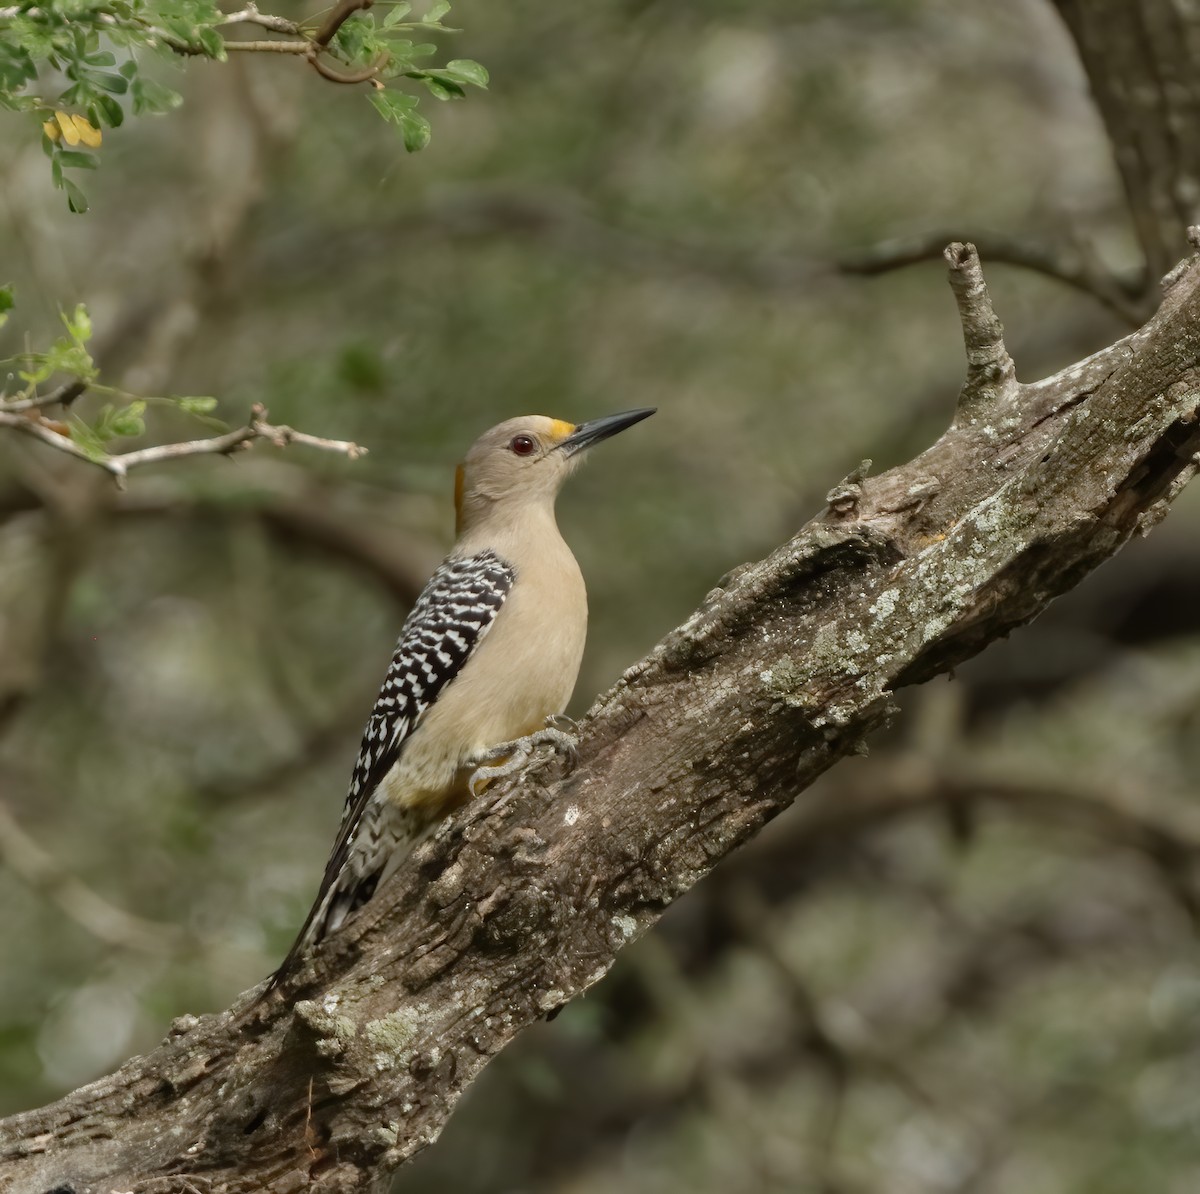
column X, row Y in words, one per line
column 222, row 445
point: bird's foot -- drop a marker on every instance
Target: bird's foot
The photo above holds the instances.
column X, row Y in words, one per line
column 506, row 757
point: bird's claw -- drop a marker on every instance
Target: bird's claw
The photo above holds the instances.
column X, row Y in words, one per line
column 506, row 757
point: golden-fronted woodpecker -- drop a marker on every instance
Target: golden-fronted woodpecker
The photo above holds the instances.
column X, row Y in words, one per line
column 484, row 666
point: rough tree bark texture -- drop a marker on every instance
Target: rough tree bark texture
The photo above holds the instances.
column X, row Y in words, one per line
column 523, row 900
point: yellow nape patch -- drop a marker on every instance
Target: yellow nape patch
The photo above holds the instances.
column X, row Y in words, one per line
column 561, row 429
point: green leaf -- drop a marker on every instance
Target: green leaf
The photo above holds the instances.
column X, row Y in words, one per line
column 149, row 96
column 7, row 302
column 196, row 406
column 76, row 199
column 117, row 84
column 16, row 66
column 212, row 43
column 398, row 13
column 128, row 420
column 401, row 110
column 416, row 131
column 87, row 439
column 77, row 160
column 466, row 70
column 357, row 39
column 78, row 324
column 391, row 105
column 436, row 12
column 106, row 110
column 442, row 88
column 65, row 355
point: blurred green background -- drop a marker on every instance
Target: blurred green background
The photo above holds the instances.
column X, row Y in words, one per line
column 966, row 963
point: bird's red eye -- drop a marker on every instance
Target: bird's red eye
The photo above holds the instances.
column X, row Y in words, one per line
column 523, row 445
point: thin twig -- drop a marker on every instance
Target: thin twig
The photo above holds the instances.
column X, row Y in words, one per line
column 66, row 394
column 270, row 47
column 40, row 431
column 1123, row 294
column 336, row 76
column 251, row 16
column 256, row 428
column 336, row 19
column 311, row 46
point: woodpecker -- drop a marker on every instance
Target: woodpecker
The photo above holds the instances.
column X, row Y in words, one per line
column 484, row 666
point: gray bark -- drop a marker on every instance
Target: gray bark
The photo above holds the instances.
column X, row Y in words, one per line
column 523, row 899
column 1140, row 60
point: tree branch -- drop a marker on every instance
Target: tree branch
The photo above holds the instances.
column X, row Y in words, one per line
column 342, row 12
column 1123, row 294
column 251, row 16
column 310, row 45
column 269, row 46
column 521, row 901
column 64, row 394
column 222, row 445
column 1140, row 64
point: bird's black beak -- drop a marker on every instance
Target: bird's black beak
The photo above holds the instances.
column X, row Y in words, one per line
column 593, row 431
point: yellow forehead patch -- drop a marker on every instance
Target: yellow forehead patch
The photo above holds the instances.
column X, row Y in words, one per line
column 560, row 429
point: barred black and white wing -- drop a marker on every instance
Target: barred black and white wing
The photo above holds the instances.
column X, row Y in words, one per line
column 450, row 619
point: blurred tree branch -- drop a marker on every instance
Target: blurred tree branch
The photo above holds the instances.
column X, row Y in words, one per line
column 1124, row 295
column 1140, row 61
column 522, row 901
column 87, row 908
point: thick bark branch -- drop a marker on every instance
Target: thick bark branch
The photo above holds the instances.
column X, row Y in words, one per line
column 521, row 902
column 1140, row 60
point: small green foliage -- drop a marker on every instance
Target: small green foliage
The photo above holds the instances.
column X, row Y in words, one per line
column 401, row 110
column 196, row 406
column 76, row 67
column 398, row 13
column 78, row 324
column 68, row 356
column 362, row 40
column 151, row 98
column 86, row 439
column 466, row 70
column 114, row 421
column 447, row 82
column 76, row 199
